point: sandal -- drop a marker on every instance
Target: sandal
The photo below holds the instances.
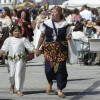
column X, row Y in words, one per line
column 60, row 94
column 19, row 93
column 12, row 89
column 49, row 87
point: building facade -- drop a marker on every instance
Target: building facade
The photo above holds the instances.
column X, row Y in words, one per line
column 7, row 3
column 10, row 3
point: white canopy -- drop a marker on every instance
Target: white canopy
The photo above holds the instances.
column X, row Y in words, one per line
column 80, row 3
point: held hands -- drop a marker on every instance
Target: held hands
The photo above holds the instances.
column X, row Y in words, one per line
column 37, row 52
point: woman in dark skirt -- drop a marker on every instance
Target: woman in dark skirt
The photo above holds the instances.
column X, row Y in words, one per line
column 6, row 21
column 55, row 31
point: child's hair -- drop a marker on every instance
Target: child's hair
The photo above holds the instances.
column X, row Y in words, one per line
column 14, row 26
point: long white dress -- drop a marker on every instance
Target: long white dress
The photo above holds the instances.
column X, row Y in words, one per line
column 37, row 31
column 17, row 67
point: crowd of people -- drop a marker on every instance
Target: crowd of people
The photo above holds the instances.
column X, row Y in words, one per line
column 43, row 32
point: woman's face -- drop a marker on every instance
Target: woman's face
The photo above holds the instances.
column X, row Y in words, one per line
column 4, row 12
column 84, row 22
column 16, row 33
column 23, row 15
column 55, row 14
column 13, row 12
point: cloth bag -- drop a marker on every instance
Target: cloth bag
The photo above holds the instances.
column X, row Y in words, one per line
column 29, row 56
column 72, row 52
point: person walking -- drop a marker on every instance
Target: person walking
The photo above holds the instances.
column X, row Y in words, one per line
column 55, row 32
column 16, row 45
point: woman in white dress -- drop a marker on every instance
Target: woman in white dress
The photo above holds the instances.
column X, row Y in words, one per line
column 37, row 32
column 16, row 45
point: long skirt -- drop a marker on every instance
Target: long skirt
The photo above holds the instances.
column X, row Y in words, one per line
column 5, row 32
column 16, row 72
column 55, row 62
column 61, row 74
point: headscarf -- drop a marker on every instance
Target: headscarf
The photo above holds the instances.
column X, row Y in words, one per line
column 57, row 8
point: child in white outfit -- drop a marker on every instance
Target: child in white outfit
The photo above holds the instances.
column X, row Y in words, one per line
column 15, row 46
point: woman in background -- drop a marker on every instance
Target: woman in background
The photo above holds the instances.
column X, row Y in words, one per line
column 14, row 15
column 25, row 22
column 76, row 16
column 6, row 21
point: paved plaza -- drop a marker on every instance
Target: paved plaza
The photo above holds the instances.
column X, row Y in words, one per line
column 83, row 83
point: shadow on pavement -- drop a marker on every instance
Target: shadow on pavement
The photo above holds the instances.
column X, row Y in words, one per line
column 35, row 65
column 5, row 99
column 80, row 79
column 37, row 92
column 3, row 65
column 33, row 92
column 81, row 93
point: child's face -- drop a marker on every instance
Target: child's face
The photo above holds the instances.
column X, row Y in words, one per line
column 16, row 33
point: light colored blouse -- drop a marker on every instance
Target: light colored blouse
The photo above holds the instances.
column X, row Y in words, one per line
column 16, row 46
column 61, row 24
column 79, row 36
column 6, row 22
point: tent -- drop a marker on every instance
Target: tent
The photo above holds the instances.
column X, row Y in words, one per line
column 79, row 3
column 25, row 4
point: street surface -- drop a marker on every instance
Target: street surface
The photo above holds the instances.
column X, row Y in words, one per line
column 83, row 83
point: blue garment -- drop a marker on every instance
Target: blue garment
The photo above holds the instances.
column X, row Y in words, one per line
column 60, row 76
column 61, row 36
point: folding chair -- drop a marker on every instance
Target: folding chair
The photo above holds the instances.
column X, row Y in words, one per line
column 95, row 46
column 80, row 48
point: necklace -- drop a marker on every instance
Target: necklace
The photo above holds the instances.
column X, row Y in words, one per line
column 54, row 35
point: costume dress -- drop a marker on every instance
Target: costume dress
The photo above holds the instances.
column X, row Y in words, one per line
column 55, row 51
column 16, row 59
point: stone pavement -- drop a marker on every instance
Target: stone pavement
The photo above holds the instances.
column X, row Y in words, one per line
column 83, row 83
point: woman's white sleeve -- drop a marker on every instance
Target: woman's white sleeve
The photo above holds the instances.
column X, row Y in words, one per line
column 28, row 45
column 42, row 29
column 5, row 46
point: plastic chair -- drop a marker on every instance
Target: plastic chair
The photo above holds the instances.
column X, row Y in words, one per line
column 80, row 48
column 94, row 47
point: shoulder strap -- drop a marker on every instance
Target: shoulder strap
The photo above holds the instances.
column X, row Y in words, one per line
column 54, row 26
